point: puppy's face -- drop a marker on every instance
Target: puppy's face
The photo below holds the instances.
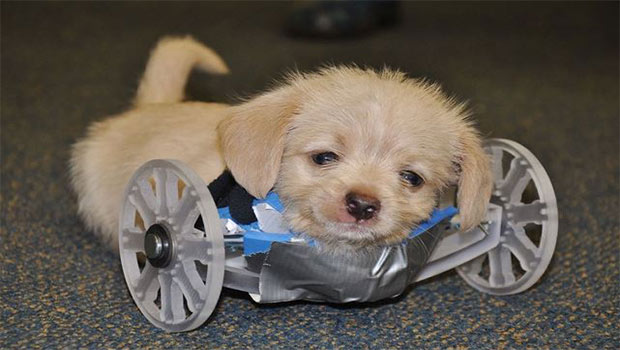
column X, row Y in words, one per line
column 358, row 158
column 363, row 169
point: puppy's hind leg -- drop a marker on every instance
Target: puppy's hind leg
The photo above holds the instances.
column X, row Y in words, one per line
column 169, row 66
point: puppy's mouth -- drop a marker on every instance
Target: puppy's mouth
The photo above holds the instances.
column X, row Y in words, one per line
column 345, row 218
column 362, row 228
column 340, row 225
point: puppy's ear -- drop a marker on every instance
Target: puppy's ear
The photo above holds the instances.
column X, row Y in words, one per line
column 252, row 138
column 475, row 182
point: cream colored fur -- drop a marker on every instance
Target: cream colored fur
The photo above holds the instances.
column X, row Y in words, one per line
column 378, row 123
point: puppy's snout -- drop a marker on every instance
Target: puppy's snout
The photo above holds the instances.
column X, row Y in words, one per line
column 362, row 207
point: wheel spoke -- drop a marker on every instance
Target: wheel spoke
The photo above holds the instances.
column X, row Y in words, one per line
column 160, row 175
column 496, row 163
column 137, row 200
column 519, row 187
column 172, row 190
column 150, row 292
column 165, row 297
column 191, row 284
column 528, row 213
column 176, row 302
column 145, row 281
column 194, row 248
column 171, row 298
column 182, row 204
column 133, row 240
column 500, row 267
column 187, row 226
column 514, row 179
column 474, row 267
column 524, row 250
column 186, row 210
column 146, row 191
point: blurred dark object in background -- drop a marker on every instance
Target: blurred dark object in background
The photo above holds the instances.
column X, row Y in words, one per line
column 341, row 19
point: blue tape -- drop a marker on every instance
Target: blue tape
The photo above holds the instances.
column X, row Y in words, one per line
column 438, row 215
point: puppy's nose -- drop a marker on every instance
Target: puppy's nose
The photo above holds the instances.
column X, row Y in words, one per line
column 362, row 207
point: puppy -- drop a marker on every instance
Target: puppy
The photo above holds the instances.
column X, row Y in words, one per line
column 358, row 157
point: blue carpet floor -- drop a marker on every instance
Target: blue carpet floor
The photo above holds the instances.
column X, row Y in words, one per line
column 544, row 74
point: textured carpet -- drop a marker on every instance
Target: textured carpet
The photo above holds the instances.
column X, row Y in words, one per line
column 544, row 74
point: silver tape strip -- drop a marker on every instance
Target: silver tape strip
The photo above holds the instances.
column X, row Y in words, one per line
column 317, row 276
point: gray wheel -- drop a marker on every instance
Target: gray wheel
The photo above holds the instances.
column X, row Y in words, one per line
column 173, row 270
column 529, row 225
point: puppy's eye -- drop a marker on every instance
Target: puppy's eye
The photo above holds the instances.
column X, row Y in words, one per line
column 324, row 158
column 411, row 178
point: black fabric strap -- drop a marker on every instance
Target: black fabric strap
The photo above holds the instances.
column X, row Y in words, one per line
column 226, row 192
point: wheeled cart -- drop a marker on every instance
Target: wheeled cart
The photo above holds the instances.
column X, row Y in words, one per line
column 175, row 268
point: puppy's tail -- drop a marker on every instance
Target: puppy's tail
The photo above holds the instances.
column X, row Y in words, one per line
column 169, row 66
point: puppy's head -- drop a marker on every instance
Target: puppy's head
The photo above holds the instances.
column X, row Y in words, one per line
column 358, row 157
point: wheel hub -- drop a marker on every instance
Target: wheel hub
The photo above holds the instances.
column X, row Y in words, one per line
column 158, row 246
